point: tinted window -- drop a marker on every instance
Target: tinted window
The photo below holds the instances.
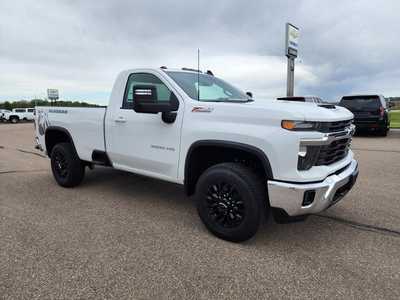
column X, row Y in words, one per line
column 163, row 93
column 207, row 87
column 20, row 110
column 31, row 109
column 361, row 103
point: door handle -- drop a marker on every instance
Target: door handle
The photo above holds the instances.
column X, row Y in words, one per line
column 120, row 120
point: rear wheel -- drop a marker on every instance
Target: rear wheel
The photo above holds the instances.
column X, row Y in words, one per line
column 68, row 170
column 230, row 200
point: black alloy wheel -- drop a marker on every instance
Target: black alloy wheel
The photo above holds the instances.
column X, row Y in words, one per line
column 225, row 205
column 60, row 164
column 231, row 200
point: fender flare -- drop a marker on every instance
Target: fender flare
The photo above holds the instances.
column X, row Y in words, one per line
column 231, row 145
column 61, row 129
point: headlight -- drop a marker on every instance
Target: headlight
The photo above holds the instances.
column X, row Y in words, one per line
column 300, row 125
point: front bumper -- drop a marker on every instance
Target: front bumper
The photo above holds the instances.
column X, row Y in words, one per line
column 291, row 196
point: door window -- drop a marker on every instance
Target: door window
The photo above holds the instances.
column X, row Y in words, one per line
column 163, row 93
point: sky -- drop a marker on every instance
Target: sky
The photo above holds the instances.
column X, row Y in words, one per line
column 79, row 47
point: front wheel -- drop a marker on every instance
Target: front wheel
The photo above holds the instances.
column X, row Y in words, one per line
column 68, row 170
column 231, row 201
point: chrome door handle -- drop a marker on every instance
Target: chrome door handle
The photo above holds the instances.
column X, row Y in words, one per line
column 120, row 120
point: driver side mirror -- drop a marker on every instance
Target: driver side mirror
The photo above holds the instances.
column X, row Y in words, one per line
column 250, row 94
column 145, row 100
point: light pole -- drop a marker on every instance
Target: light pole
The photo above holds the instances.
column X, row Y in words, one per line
column 292, row 37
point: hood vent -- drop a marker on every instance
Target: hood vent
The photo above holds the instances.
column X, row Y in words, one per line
column 328, row 106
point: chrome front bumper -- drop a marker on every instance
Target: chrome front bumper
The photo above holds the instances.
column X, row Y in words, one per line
column 290, row 196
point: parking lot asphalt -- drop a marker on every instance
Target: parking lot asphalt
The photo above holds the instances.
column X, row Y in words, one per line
column 123, row 236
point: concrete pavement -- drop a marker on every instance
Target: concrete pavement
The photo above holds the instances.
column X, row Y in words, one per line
column 123, row 236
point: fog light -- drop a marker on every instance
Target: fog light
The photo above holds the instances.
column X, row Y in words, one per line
column 308, row 197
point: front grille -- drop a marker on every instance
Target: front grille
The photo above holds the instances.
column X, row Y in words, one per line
column 335, row 126
column 333, row 152
column 323, row 155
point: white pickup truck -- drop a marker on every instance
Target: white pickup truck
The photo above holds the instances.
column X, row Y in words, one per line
column 242, row 159
column 19, row 114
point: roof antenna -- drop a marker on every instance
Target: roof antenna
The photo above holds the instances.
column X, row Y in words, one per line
column 198, row 74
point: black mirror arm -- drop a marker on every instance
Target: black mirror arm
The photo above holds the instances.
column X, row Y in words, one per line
column 169, row 117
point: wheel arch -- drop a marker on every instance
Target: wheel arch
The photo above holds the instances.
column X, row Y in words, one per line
column 54, row 135
column 194, row 168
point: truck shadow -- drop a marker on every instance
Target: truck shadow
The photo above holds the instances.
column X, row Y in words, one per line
column 171, row 202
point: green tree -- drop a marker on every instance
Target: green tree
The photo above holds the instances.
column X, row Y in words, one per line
column 42, row 102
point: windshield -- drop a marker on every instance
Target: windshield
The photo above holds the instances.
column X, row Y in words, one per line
column 206, row 87
column 361, row 103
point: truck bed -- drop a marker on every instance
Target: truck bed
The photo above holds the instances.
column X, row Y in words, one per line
column 85, row 125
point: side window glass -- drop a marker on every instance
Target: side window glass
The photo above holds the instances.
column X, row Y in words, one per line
column 163, row 93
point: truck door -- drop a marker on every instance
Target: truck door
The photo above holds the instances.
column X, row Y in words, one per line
column 141, row 142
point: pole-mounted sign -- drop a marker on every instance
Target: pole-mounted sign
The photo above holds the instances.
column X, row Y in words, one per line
column 292, row 44
column 52, row 94
column 292, row 40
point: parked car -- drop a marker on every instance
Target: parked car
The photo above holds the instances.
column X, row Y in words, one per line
column 370, row 112
column 19, row 114
column 313, row 99
column 239, row 157
column 2, row 112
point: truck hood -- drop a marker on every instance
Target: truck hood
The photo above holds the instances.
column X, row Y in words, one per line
column 306, row 111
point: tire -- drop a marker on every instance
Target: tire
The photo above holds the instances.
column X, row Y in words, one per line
column 383, row 132
column 68, row 170
column 229, row 190
column 14, row 120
